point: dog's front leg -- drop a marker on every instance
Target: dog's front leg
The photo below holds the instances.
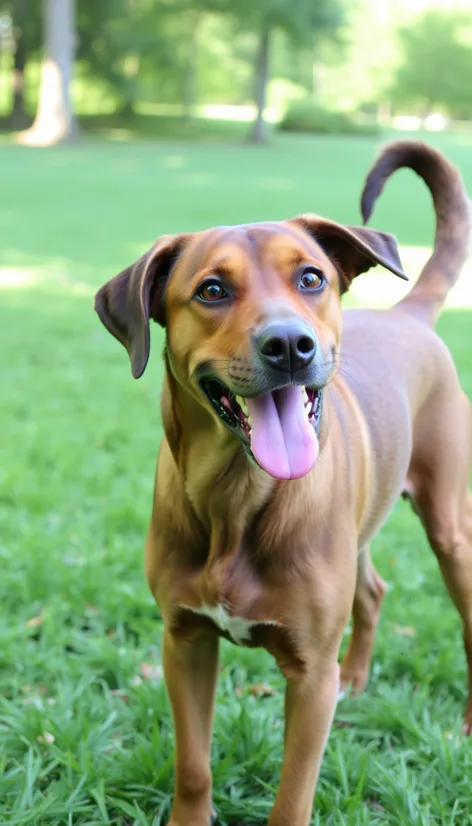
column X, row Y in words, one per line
column 190, row 668
column 310, row 703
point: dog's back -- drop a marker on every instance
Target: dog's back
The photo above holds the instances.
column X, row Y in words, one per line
column 397, row 350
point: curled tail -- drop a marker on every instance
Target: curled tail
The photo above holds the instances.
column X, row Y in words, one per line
column 453, row 220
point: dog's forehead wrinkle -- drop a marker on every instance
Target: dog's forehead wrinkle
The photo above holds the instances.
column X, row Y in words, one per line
column 196, row 252
column 224, row 249
column 257, row 234
column 267, row 246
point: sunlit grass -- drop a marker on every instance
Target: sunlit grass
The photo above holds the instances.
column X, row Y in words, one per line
column 374, row 290
column 85, row 731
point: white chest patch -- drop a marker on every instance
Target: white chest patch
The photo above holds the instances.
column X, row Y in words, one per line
column 238, row 628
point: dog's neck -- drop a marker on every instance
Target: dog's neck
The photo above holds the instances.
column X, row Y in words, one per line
column 239, row 511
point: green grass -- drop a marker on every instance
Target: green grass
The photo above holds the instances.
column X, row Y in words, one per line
column 85, row 735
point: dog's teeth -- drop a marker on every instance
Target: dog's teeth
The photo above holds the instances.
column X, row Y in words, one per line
column 242, row 404
column 305, row 396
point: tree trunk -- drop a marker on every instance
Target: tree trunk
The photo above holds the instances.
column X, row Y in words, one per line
column 55, row 121
column 18, row 119
column 260, row 130
column 316, row 74
column 384, row 113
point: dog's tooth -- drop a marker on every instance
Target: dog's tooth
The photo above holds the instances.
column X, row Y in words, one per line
column 242, row 404
column 305, row 395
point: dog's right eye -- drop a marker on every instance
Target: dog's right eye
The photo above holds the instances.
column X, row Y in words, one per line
column 211, row 291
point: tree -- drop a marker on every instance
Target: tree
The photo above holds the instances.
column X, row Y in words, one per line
column 25, row 32
column 55, row 121
column 361, row 75
column 140, row 49
column 114, row 35
column 18, row 114
column 261, row 79
column 437, row 64
column 303, row 21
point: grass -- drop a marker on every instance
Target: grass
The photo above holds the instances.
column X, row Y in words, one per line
column 85, row 731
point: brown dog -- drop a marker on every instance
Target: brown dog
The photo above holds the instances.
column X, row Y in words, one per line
column 276, row 470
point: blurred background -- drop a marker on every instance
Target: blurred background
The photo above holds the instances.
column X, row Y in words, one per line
column 121, row 120
column 162, row 67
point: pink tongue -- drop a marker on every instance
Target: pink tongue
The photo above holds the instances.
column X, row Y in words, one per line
column 283, row 441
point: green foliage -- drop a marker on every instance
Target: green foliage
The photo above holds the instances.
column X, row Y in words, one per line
column 361, row 72
column 126, row 43
column 20, row 41
column 437, row 64
column 222, row 61
column 26, row 16
column 85, row 736
column 151, row 50
column 306, row 115
column 303, row 21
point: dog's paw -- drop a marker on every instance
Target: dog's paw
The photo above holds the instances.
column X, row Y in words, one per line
column 192, row 822
column 353, row 681
column 213, row 821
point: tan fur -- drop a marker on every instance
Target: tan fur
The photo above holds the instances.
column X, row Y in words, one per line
column 295, row 553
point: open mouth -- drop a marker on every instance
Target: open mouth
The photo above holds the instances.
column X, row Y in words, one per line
column 279, row 429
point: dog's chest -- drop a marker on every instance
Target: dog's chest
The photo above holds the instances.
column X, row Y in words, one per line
column 238, row 628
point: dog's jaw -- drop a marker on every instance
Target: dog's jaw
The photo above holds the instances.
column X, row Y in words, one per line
column 278, row 429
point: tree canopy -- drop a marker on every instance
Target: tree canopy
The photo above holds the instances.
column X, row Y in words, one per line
column 436, row 64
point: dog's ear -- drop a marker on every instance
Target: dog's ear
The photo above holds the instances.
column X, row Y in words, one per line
column 354, row 250
column 127, row 302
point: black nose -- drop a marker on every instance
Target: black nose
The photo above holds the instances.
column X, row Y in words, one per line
column 288, row 346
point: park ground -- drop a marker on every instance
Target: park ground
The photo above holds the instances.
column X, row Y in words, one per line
column 85, row 729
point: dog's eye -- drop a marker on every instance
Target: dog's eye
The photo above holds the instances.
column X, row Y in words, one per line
column 211, row 291
column 311, row 279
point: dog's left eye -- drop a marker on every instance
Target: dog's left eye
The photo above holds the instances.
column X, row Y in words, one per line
column 311, row 279
column 211, row 291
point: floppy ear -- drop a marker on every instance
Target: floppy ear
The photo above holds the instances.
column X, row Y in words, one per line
column 353, row 249
column 127, row 302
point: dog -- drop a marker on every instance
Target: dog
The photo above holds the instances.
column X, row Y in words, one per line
column 277, row 468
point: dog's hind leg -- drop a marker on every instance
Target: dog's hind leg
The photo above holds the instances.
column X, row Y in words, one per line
column 449, row 531
column 443, row 502
column 370, row 590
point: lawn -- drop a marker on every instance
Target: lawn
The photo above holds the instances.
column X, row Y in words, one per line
column 85, row 730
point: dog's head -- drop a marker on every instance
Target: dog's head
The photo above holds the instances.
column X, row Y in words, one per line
column 253, row 323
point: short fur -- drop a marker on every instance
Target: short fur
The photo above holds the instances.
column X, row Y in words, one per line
column 292, row 557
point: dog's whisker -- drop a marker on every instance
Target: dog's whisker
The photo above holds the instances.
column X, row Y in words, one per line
column 350, row 357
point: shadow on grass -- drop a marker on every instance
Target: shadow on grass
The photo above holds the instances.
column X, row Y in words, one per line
column 132, row 126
